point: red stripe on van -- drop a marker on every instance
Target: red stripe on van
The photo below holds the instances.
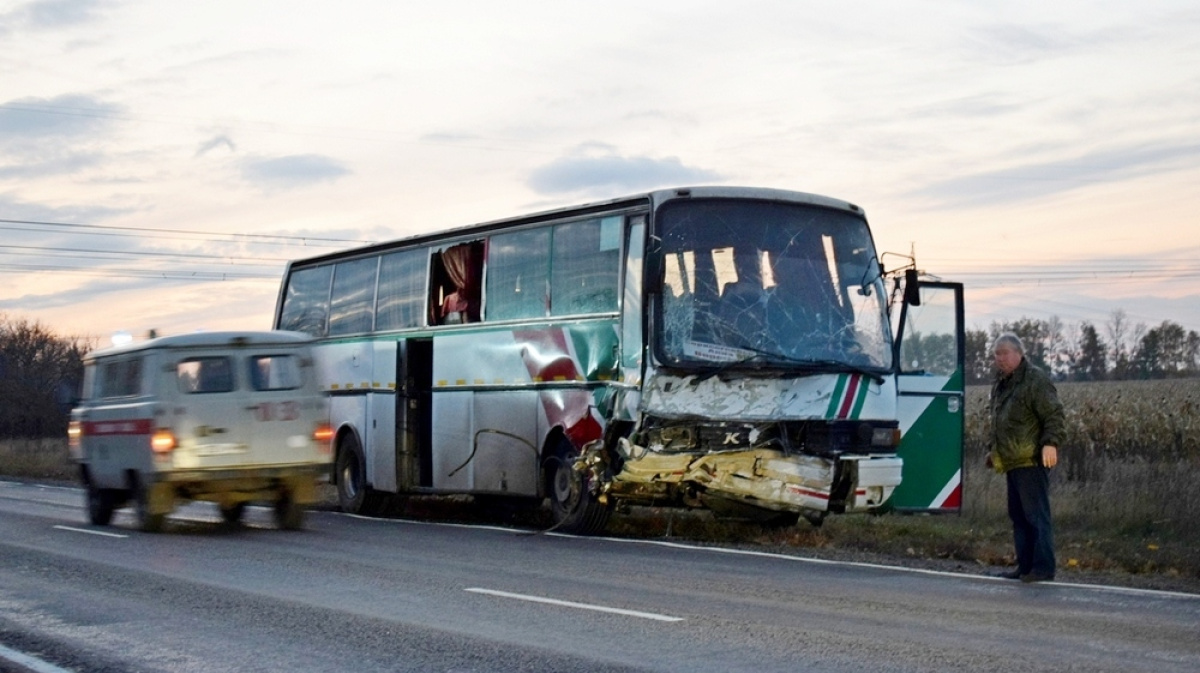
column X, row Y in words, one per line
column 139, row 426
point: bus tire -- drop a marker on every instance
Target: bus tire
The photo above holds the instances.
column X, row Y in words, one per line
column 354, row 496
column 100, row 505
column 573, row 508
column 289, row 514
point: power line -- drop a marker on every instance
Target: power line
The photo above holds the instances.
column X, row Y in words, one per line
column 144, row 253
column 207, row 235
column 134, row 273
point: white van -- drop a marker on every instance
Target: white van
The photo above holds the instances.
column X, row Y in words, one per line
column 227, row 417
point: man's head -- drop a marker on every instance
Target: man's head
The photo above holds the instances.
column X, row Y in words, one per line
column 1007, row 352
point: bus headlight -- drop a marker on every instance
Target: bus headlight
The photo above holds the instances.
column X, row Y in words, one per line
column 885, row 437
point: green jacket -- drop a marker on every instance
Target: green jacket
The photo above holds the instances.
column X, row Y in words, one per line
column 1026, row 415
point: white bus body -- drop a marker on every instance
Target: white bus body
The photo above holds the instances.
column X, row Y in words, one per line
column 711, row 347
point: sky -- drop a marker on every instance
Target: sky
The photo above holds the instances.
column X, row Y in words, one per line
column 160, row 162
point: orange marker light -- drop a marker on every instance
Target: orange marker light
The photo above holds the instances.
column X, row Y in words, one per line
column 323, row 435
column 162, row 441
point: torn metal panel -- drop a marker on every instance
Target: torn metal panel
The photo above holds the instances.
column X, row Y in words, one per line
column 760, row 398
column 768, row 479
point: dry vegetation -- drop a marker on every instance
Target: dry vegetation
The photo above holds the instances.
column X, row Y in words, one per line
column 1123, row 497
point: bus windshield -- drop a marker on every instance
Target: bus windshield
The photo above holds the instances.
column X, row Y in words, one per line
column 767, row 284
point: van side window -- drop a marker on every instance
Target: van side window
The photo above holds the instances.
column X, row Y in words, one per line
column 120, row 378
column 275, row 372
column 205, row 375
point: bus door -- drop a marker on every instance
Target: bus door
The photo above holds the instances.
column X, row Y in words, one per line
column 929, row 347
column 414, row 414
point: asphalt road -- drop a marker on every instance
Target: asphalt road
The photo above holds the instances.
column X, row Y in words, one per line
column 357, row 594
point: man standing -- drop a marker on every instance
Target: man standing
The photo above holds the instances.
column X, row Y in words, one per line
column 1027, row 427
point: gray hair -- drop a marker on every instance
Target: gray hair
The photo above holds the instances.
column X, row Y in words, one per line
column 1011, row 340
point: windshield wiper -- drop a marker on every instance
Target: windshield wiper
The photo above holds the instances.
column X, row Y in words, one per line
column 839, row 366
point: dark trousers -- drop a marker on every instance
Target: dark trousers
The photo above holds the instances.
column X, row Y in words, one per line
column 1029, row 509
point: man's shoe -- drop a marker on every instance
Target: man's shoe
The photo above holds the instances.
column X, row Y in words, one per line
column 1011, row 575
column 1036, row 577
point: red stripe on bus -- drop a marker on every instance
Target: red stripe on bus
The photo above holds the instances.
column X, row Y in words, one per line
column 851, row 393
column 954, row 500
column 809, row 493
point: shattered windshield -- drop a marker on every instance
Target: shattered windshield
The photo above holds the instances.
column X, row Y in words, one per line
column 769, row 284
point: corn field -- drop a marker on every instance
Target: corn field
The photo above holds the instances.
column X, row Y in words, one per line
column 1126, row 466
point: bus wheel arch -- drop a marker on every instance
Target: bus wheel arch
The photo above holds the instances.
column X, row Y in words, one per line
column 355, row 495
column 573, row 507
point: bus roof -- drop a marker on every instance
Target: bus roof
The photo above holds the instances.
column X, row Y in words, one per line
column 655, row 198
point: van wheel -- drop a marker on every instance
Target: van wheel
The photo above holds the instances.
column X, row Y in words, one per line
column 147, row 521
column 289, row 515
column 232, row 515
column 100, row 504
column 574, row 509
column 354, row 496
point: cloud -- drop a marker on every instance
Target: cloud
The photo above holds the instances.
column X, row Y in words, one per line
column 1037, row 180
column 15, row 209
column 215, row 142
column 586, row 173
column 50, row 15
column 48, row 162
column 65, row 116
column 58, row 13
column 292, row 171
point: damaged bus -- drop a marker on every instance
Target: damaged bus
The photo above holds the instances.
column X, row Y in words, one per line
column 716, row 347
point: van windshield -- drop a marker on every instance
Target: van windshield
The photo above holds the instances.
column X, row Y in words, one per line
column 770, row 285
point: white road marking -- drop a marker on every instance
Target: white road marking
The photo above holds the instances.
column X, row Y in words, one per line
column 786, row 557
column 32, row 663
column 90, row 532
column 572, row 604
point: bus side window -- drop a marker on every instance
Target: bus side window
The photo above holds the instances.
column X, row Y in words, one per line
column 306, row 301
column 585, row 266
column 518, row 275
column 401, row 290
column 454, row 284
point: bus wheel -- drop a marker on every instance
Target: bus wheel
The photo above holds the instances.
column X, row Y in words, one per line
column 148, row 522
column 289, row 515
column 574, row 509
column 100, row 505
column 354, row 496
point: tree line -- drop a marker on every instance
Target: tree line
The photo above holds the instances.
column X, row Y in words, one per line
column 1116, row 351
column 40, row 374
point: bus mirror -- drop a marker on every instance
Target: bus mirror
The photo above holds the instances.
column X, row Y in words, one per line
column 912, row 288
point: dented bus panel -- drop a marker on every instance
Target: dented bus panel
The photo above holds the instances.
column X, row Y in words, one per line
column 721, row 347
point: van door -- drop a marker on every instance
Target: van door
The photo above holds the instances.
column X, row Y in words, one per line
column 211, row 421
column 930, row 347
column 282, row 419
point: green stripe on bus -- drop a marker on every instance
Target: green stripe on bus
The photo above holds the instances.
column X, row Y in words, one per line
column 864, row 384
column 835, row 400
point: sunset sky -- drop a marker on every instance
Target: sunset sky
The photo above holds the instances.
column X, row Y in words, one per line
column 160, row 161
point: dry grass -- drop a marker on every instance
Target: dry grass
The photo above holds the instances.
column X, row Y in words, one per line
column 37, row 459
column 1123, row 497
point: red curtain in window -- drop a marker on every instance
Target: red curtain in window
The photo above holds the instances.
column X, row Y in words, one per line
column 464, row 265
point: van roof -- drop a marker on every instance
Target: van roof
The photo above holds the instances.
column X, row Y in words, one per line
column 208, row 340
